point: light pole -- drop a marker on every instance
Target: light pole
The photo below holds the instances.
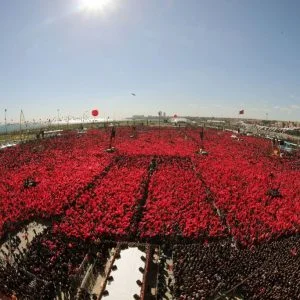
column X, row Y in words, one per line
column 159, row 115
column 58, row 118
column 5, row 121
column 84, row 116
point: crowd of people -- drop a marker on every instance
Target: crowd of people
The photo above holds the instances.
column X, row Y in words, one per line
column 217, row 270
column 108, row 209
column 164, row 142
column 177, row 204
column 50, row 267
column 39, row 178
column 257, row 193
column 154, row 187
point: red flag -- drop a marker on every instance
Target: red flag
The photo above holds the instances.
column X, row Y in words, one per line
column 241, row 112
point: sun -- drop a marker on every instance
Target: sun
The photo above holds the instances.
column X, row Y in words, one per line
column 95, row 5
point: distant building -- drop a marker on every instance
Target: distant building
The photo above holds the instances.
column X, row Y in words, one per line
column 216, row 121
column 181, row 121
column 138, row 117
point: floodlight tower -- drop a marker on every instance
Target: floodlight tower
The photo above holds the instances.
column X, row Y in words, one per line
column 5, row 121
column 159, row 115
column 22, row 121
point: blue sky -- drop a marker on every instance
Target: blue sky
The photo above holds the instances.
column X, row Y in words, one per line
column 192, row 57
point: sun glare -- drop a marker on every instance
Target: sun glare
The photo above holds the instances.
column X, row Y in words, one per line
column 95, row 5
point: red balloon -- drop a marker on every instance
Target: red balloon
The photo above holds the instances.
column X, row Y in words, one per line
column 95, row 112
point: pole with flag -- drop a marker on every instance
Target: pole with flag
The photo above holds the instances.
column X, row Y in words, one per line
column 241, row 112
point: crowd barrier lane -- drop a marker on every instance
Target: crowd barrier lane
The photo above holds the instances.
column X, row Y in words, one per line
column 89, row 279
column 157, row 275
column 148, row 260
column 107, row 272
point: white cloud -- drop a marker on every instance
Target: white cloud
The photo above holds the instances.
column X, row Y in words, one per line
column 295, row 106
column 288, row 108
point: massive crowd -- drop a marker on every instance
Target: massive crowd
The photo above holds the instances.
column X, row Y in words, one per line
column 52, row 266
column 257, row 193
column 39, row 178
column 108, row 209
column 218, row 269
column 177, row 204
column 155, row 187
column 98, row 193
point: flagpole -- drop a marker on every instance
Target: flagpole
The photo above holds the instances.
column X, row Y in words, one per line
column 241, row 112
